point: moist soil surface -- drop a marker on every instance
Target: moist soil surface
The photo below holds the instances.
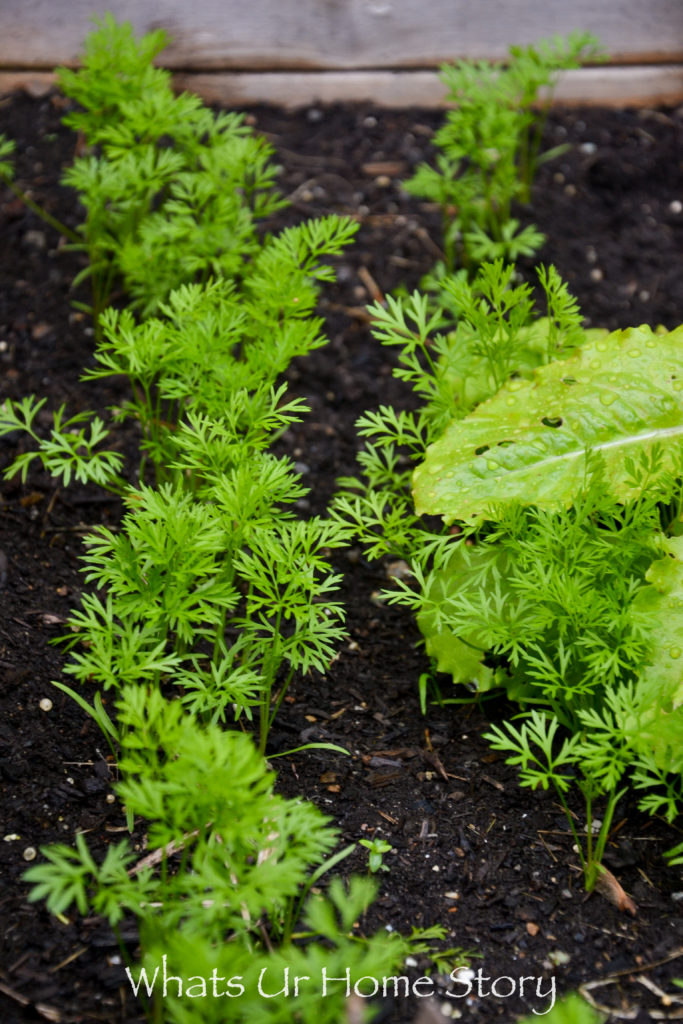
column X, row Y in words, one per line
column 471, row 850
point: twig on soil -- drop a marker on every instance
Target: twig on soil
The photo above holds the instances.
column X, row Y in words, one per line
column 432, row 758
column 156, row 856
column 666, row 999
column 493, row 782
column 371, row 285
column 80, row 529
column 547, row 848
column 355, row 312
column 428, row 243
column 50, row 505
column 646, row 879
column 48, row 1012
column 387, row 817
column 67, row 960
column 586, row 989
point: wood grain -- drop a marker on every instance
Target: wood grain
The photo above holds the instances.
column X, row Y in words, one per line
column 613, row 87
column 341, row 34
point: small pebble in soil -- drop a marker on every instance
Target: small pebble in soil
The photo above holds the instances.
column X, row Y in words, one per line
column 110, row 798
column 676, row 206
column 45, row 704
column 399, row 570
column 557, row 958
column 40, row 330
column 30, row 853
column 36, row 239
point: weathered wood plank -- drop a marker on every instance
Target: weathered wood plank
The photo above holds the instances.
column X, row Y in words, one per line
column 341, row 34
column 618, row 87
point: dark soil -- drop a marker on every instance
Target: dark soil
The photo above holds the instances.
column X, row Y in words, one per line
column 471, row 850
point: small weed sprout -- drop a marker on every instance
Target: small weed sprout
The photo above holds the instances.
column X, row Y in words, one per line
column 376, row 849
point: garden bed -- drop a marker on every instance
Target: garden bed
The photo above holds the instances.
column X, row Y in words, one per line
column 471, row 850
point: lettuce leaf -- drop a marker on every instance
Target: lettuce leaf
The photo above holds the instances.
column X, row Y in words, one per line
column 618, row 395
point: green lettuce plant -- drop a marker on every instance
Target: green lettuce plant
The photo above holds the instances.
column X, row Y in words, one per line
column 489, row 149
column 499, row 334
column 565, row 607
column 618, row 396
column 553, row 456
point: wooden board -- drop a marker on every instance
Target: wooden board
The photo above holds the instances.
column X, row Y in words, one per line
column 616, row 87
column 341, row 34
